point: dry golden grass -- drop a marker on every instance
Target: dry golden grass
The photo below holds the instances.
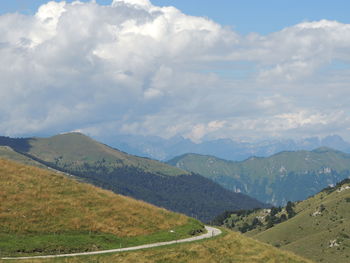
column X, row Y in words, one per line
column 33, row 200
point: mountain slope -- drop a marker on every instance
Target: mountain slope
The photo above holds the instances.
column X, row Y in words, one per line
column 276, row 179
column 321, row 228
column 7, row 152
column 141, row 178
column 45, row 212
column 74, row 150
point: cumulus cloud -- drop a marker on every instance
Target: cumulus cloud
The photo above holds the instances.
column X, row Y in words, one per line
column 133, row 67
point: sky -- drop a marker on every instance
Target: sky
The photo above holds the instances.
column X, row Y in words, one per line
column 244, row 16
column 199, row 69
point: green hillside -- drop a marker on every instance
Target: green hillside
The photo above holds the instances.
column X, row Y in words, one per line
column 44, row 212
column 74, row 151
column 276, row 179
column 319, row 230
column 141, row 178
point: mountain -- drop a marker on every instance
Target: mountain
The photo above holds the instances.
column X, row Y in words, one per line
column 276, row 179
column 140, row 178
column 44, row 211
column 166, row 149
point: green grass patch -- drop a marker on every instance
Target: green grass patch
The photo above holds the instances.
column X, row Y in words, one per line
column 43, row 244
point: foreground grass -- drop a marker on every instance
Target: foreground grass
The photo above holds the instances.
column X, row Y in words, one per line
column 231, row 247
column 42, row 212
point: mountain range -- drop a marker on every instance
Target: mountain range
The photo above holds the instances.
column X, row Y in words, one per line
column 166, row 149
column 285, row 176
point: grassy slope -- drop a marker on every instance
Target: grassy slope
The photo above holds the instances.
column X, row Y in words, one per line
column 232, row 247
column 77, row 148
column 140, row 178
column 7, row 153
column 310, row 235
column 46, row 212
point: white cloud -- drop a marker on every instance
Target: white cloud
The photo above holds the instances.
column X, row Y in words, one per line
column 138, row 68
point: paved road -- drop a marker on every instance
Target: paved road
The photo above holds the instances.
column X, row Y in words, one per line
column 211, row 232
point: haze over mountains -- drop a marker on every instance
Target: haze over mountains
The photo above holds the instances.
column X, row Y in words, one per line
column 166, row 149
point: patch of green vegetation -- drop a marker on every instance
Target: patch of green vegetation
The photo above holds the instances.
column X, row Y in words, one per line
column 256, row 219
column 62, row 243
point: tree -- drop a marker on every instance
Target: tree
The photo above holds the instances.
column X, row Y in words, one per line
column 290, row 210
column 283, row 217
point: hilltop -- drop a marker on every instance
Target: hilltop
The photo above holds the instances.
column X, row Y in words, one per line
column 141, row 178
column 277, row 179
column 45, row 212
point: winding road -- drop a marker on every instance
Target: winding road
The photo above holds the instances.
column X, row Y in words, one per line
column 211, row 232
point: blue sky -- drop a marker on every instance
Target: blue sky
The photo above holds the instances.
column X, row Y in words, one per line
column 198, row 71
column 245, row 16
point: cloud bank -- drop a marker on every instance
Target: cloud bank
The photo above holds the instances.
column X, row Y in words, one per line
column 136, row 68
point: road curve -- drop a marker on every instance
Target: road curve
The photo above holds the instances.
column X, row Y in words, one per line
column 211, row 232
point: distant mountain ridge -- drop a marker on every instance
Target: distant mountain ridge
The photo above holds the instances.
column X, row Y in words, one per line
column 166, row 149
column 140, row 178
column 276, row 179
